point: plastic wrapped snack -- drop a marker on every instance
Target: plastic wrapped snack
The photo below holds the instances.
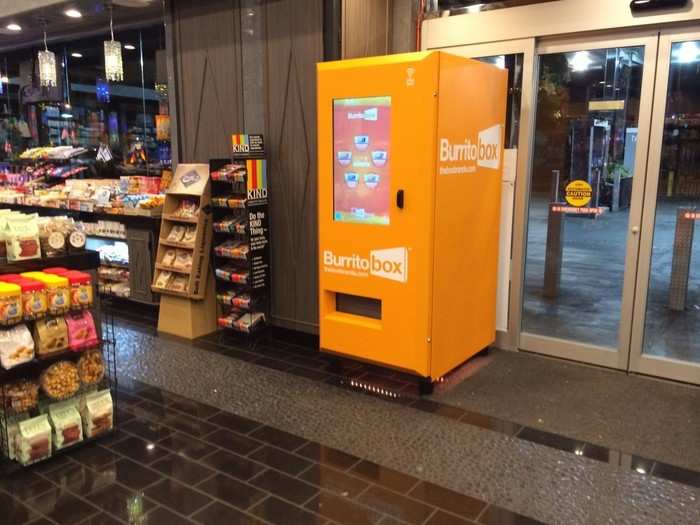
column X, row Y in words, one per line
column 16, row 346
column 33, row 440
column 60, row 381
column 22, row 237
column 163, row 279
column 91, row 368
column 50, row 336
column 168, row 257
column 96, row 412
column 67, row 424
column 190, row 235
column 81, row 330
column 187, row 209
column 183, row 260
column 176, row 233
column 179, row 283
column 21, row 396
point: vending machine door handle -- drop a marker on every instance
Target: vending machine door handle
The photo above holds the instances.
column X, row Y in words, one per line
column 399, row 199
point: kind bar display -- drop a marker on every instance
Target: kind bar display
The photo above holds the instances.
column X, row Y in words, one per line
column 233, row 274
column 230, row 225
column 60, row 381
column 50, row 336
column 81, row 330
column 33, row 440
column 232, row 250
column 21, row 395
column 10, row 303
column 16, row 346
column 242, row 323
column 96, row 411
column 230, row 298
column 22, row 237
column 67, row 424
column 228, row 202
column 91, row 368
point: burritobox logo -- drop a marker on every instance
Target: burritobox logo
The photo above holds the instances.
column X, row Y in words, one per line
column 389, row 263
column 485, row 152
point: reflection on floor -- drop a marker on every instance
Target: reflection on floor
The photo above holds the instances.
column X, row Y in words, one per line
column 265, row 435
column 588, row 306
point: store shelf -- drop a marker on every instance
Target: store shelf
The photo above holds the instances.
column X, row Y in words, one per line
column 174, row 244
column 83, row 260
column 38, row 364
column 108, row 237
column 114, row 265
column 175, row 218
column 157, row 289
column 166, row 268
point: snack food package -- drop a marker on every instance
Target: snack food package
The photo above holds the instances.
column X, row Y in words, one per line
column 168, row 257
column 183, row 260
column 10, row 303
column 187, row 208
column 91, row 368
column 60, row 381
column 163, row 279
column 22, row 237
column 190, row 234
column 21, row 396
column 33, row 441
column 81, row 289
column 34, row 302
column 16, row 346
column 66, row 423
column 179, row 283
column 50, row 336
column 81, row 330
column 176, row 233
column 96, row 411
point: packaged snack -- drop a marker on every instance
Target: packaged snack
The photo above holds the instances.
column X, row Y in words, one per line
column 67, row 424
column 3, row 229
column 228, row 202
column 34, row 302
column 179, row 283
column 33, row 440
column 60, row 380
column 10, row 448
column 242, row 323
column 231, row 298
column 176, row 233
column 163, row 279
column 183, row 260
column 77, row 240
column 91, row 368
column 231, row 273
column 230, row 225
column 81, row 289
column 168, row 257
column 96, row 411
column 232, row 250
column 190, row 235
column 22, row 238
column 57, row 293
column 81, row 330
column 21, row 396
column 187, row 209
column 50, row 336
column 16, row 346
column 10, row 304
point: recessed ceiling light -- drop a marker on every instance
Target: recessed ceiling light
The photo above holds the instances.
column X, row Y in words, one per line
column 75, row 54
column 72, row 13
column 130, row 47
column 14, row 27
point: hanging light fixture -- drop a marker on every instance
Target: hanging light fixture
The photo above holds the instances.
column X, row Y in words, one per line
column 47, row 66
column 114, row 69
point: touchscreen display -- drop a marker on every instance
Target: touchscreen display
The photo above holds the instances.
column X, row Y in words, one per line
column 361, row 160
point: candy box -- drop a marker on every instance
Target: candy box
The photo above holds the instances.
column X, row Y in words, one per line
column 67, row 424
column 34, row 440
column 96, row 411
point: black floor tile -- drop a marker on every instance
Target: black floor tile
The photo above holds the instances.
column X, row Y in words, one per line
column 278, row 438
column 54, row 463
column 279, row 512
column 134, row 476
column 396, row 505
column 642, row 465
column 232, row 491
column 102, row 519
column 233, row 464
column 122, row 417
column 384, row 476
column 280, row 460
column 182, row 469
column 94, row 456
column 219, row 514
column 678, row 474
column 442, row 518
column 154, row 394
column 550, row 440
column 63, row 507
column 328, row 456
column 185, row 445
column 81, row 479
column 41, row 521
column 139, row 450
column 126, row 505
column 342, row 510
column 592, row 451
column 194, row 427
column 179, row 497
column 234, row 422
column 150, row 430
column 13, row 512
column 500, row 516
column 309, row 373
column 334, row 481
column 284, row 486
column 233, row 441
column 127, row 400
column 490, row 423
column 193, row 408
column 275, row 364
column 437, row 408
column 25, row 484
column 163, row 516
column 447, row 499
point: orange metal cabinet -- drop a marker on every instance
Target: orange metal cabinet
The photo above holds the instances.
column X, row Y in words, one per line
column 409, row 166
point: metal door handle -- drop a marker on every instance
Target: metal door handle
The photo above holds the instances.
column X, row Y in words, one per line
column 399, row 199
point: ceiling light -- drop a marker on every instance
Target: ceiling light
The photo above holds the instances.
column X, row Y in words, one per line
column 14, row 27
column 686, row 52
column 4, row 79
column 580, row 61
column 130, row 47
column 75, row 54
column 114, row 68
column 73, row 13
column 47, row 66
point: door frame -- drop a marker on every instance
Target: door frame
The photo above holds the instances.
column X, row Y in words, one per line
column 619, row 357
column 640, row 363
column 528, row 96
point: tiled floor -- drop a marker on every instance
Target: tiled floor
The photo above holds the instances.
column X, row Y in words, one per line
column 276, row 434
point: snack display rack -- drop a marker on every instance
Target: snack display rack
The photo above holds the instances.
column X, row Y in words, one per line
column 182, row 260
column 241, row 239
column 25, row 403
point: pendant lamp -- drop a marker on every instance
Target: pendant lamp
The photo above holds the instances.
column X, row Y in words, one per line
column 47, row 66
column 114, row 69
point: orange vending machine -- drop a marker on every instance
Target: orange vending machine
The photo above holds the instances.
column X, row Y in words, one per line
column 410, row 152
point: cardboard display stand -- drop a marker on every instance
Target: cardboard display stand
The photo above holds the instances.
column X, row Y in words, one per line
column 182, row 274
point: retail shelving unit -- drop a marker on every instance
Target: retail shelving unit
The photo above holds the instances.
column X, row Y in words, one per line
column 86, row 261
column 241, row 241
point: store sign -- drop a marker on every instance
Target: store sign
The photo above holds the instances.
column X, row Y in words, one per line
column 484, row 152
column 246, row 146
column 390, row 263
column 578, row 193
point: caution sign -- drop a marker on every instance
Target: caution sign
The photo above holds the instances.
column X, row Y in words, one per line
column 578, row 193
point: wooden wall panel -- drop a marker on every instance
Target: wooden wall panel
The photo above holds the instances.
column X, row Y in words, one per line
column 294, row 46
column 207, row 51
column 366, row 27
